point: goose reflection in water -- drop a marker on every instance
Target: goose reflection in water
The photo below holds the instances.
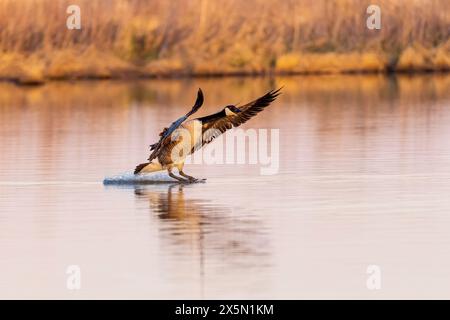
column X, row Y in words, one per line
column 221, row 236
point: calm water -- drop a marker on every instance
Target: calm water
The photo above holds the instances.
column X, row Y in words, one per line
column 364, row 179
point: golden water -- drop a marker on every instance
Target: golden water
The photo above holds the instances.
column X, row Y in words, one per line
column 364, row 179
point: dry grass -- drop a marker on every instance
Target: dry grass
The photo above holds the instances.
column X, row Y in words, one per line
column 214, row 37
column 331, row 62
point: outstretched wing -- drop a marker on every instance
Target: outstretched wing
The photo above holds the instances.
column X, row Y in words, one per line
column 213, row 126
column 165, row 134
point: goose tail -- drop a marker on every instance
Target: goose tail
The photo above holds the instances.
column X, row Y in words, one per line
column 148, row 167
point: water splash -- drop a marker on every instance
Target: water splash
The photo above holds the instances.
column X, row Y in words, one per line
column 130, row 178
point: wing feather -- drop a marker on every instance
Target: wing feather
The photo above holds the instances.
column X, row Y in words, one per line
column 216, row 126
column 166, row 133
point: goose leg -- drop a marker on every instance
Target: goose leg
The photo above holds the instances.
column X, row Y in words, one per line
column 191, row 179
column 175, row 177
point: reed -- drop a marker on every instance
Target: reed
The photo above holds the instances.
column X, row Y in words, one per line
column 122, row 38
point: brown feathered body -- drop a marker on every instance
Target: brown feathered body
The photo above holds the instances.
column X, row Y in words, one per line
column 172, row 150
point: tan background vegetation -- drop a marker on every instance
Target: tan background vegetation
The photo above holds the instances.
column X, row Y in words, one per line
column 122, row 38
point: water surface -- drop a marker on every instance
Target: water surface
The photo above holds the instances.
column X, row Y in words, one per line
column 364, row 179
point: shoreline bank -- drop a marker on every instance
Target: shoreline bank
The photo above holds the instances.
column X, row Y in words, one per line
column 69, row 65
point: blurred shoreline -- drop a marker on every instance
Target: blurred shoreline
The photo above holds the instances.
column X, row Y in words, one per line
column 130, row 39
column 22, row 71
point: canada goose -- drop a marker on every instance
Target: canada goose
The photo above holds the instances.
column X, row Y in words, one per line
column 169, row 152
